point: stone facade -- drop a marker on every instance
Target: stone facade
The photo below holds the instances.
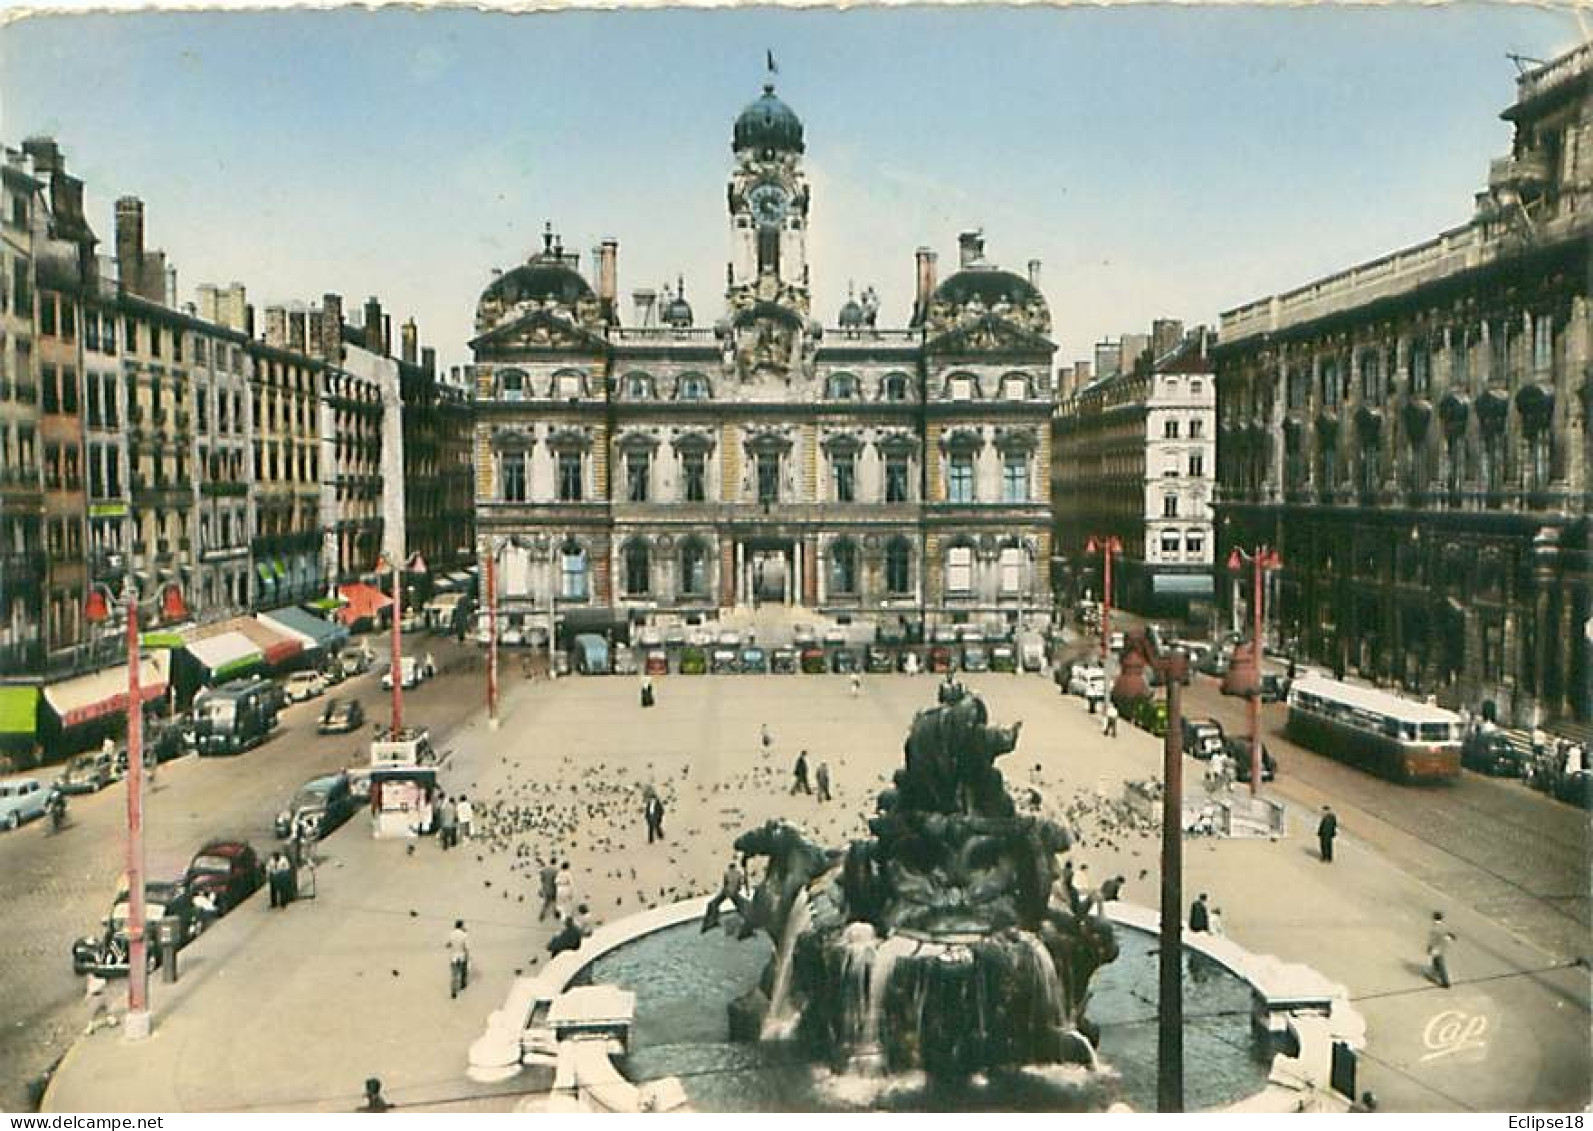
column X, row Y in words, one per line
column 1412, row 435
column 1135, row 457
column 664, row 469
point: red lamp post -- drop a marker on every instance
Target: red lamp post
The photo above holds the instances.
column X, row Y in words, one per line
column 492, row 635
column 1263, row 559
column 1107, row 545
column 97, row 609
column 396, row 668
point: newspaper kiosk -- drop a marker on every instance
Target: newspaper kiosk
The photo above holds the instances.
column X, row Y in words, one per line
column 403, row 784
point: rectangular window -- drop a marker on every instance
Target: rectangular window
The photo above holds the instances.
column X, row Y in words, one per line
column 108, row 338
column 513, row 477
column 637, row 465
column 959, row 569
column 69, row 391
column 1542, row 343
column 154, row 341
column 1011, row 565
column 1015, row 479
column 1197, row 428
column 52, row 389
column 177, row 345
column 1197, row 465
column 569, row 477
column 768, row 477
column 896, row 479
column 91, row 331
column 1329, row 383
column 1169, row 546
column 68, row 321
column 47, row 316
column 845, row 479
column 1371, row 377
column 1169, row 506
column 130, row 335
column 109, row 389
column 960, row 480
column 694, row 473
column 1420, row 369
column 21, row 288
column 1170, row 430
column 1299, row 388
column 1195, row 544
column 92, row 400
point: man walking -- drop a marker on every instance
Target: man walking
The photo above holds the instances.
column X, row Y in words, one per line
column 1110, row 729
column 466, row 815
column 823, row 779
column 448, row 824
column 548, row 879
column 458, row 959
column 1199, row 916
column 564, row 890
column 1326, row 829
column 729, row 888
column 1439, row 936
column 799, row 774
column 857, row 684
column 653, row 811
column 765, row 737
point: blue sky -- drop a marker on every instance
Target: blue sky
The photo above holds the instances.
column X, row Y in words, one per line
column 1160, row 161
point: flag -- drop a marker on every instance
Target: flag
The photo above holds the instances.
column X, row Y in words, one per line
column 773, row 69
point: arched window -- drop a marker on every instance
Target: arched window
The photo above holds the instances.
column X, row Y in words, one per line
column 692, row 387
column 512, row 385
column 572, row 571
column 638, row 387
column 895, row 387
column 841, row 387
column 568, row 383
column 694, row 568
column 1015, row 387
column 962, row 387
column 843, row 567
column 638, row 568
column 898, row 566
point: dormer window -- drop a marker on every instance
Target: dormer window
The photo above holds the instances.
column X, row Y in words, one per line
column 962, row 387
column 692, row 387
column 512, row 384
column 1015, row 387
column 895, row 388
column 638, row 387
column 842, row 387
column 567, row 385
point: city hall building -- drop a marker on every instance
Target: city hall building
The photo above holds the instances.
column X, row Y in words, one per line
column 665, row 469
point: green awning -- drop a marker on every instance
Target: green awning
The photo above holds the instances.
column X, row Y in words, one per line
column 162, row 640
column 235, row 668
column 19, row 710
column 328, row 604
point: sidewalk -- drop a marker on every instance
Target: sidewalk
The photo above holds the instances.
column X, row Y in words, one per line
column 273, row 1003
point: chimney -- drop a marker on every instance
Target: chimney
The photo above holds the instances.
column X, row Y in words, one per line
column 1082, row 372
column 387, row 335
column 130, row 243
column 608, row 278
column 926, row 282
column 428, row 359
column 1034, row 273
column 373, row 325
column 248, row 320
column 207, row 302
column 46, row 155
column 296, row 331
column 971, row 249
column 312, row 333
column 1166, row 334
column 332, row 327
column 276, row 327
column 1064, row 382
column 409, row 339
column 644, row 301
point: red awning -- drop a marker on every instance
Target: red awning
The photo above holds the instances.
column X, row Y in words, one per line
column 89, row 697
column 277, row 645
column 364, row 602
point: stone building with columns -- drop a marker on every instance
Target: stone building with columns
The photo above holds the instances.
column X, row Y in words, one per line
column 1411, row 434
column 666, row 469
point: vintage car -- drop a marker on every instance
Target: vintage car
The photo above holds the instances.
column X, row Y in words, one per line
column 813, row 660
column 803, row 636
column 835, row 638
column 355, row 661
column 1490, row 752
column 657, row 662
column 784, row 660
column 693, row 661
column 723, row 661
column 228, row 870
column 649, row 638
column 106, row 953
column 341, row 716
column 88, row 772
column 754, row 660
column 625, row 662
column 21, row 799
column 1150, row 714
column 674, row 636
column 880, row 661
column 728, row 638
column 975, row 659
column 1087, row 680
column 1237, row 747
column 302, row 686
column 409, row 674
column 844, row 660
column 326, row 802
column 1003, row 658
column 1202, row 738
column 940, row 658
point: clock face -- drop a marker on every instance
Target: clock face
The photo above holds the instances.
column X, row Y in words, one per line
column 768, row 202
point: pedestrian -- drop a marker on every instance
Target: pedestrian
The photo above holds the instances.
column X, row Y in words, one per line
column 822, row 777
column 729, row 888
column 1214, row 926
column 373, row 1097
column 1199, row 915
column 1326, row 829
column 583, row 921
column 1367, row 1103
column 465, row 814
column 1439, row 936
column 568, row 937
column 647, row 691
column 548, row 879
column 1092, row 699
column 1112, row 889
column 564, row 890
column 857, row 684
column 799, row 774
column 765, row 737
column 653, row 811
column 97, row 1002
column 458, row 959
column 1082, row 893
column 306, row 830
column 430, row 666
column 204, row 910
column 1111, row 719
column 448, row 824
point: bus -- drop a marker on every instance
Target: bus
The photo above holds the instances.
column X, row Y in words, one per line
column 235, row 716
column 1394, row 737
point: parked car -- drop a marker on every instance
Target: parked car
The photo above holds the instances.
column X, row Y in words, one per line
column 722, row 661
column 624, row 660
column 803, row 636
column 880, row 662
column 511, row 636
column 1274, row 687
column 1490, row 752
column 940, row 658
column 1150, row 714
column 812, row 660
column 341, row 716
column 835, row 638
column 649, row 638
column 754, row 660
column 1237, row 747
column 845, row 660
column 355, row 661
column 21, row 800
column 1215, row 662
column 1087, row 680
column 693, row 661
column 975, row 659
column 88, row 772
column 303, row 686
column 409, row 674
column 784, row 660
column 1202, row 737
column 1003, row 658
column 229, row 870
column 674, row 636
column 106, row 953
column 326, row 801
column 728, row 638
column 657, row 662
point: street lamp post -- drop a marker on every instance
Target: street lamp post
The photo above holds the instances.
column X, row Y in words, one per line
column 396, row 670
column 1170, row 1011
column 97, row 608
column 492, row 635
column 1107, row 545
column 1263, row 559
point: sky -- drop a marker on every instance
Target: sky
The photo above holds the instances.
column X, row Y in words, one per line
column 1160, row 161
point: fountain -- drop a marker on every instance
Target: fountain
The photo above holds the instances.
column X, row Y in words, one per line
column 950, row 942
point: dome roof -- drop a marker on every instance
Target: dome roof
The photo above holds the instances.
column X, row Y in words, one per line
column 851, row 314
column 540, row 280
column 677, row 311
column 990, row 286
column 768, row 123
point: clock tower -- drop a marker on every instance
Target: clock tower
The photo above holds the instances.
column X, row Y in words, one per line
column 768, row 202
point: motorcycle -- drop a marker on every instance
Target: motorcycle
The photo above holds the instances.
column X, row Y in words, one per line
column 56, row 807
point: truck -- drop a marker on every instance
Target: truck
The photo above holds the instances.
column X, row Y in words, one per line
column 235, row 716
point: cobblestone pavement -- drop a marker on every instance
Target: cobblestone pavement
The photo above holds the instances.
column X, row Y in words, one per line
column 58, row 886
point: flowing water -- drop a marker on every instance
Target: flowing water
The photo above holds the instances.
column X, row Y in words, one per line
column 684, row 982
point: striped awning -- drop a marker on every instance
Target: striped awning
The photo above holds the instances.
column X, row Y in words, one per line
column 90, row 697
column 226, row 655
column 312, row 630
